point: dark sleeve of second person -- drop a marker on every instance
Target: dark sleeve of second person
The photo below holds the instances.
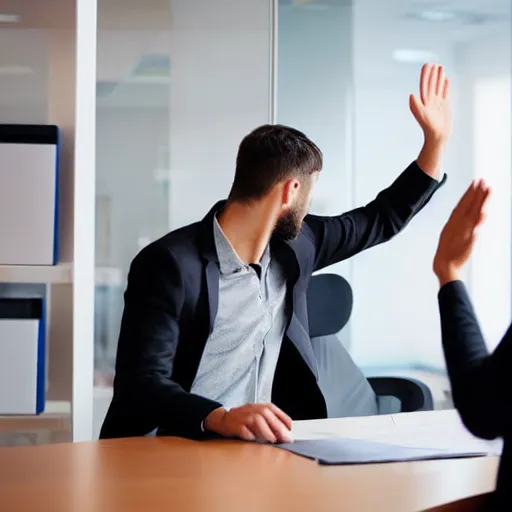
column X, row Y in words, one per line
column 481, row 382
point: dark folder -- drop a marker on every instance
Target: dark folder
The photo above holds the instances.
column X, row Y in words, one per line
column 343, row 451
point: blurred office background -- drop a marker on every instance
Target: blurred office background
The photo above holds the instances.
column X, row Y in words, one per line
column 180, row 82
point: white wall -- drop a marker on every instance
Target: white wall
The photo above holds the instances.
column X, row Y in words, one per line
column 487, row 70
column 338, row 82
column 314, row 94
column 128, row 142
column 24, row 63
column 191, row 124
column 187, row 129
column 395, row 321
column 127, row 156
column 220, row 91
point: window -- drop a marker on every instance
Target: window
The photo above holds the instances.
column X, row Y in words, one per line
column 346, row 70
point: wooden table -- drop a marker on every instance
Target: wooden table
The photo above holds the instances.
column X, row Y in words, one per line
column 165, row 474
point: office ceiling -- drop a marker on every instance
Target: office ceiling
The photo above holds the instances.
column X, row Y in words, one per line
column 60, row 14
column 131, row 32
column 156, row 14
column 457, row 20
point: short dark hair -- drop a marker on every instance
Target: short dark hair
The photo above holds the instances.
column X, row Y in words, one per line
column 271, row 154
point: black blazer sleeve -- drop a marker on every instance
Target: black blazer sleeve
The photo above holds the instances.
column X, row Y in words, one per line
column 145, row 396
column 481, row 383
column 338, row 238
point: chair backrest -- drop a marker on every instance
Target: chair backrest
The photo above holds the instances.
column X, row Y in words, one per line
column 330, row 302
column 346, row 390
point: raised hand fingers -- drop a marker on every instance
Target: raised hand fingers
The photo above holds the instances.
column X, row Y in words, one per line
column 440, row 79
column 446, row 88
column 472, row 203
column 482, row 193
column 466, row 200
column 433, row 81
column 424, row 82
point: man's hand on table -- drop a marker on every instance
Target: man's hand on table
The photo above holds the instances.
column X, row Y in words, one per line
column 251, row 422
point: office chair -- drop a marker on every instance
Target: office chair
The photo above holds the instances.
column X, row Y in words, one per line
column 347, row 391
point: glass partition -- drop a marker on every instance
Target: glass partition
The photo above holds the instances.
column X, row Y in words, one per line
column 345, row 71
column 180, row 82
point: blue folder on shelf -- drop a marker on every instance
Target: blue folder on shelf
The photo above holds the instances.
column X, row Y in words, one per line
column 344, row 451
column 22, row 355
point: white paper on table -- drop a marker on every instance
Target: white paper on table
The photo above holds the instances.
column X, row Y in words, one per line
column 432, row 429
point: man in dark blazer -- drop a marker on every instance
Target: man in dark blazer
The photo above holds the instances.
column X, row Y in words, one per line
column 214, row 336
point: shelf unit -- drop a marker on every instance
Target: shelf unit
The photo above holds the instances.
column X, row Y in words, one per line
column 56, row 417
column 57, row 274
column 68, row 30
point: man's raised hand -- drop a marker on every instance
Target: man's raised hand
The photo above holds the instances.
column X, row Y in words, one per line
column 432, row 107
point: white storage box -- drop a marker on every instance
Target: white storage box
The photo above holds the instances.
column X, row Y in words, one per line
column 28, row 194
column 22, row 356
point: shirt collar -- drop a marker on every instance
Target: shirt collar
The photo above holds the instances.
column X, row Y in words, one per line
column 229, row 261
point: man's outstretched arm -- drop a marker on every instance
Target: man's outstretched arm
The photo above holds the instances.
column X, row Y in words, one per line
column 340, row 237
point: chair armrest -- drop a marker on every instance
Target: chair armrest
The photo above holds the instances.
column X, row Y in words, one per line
column 412, row 393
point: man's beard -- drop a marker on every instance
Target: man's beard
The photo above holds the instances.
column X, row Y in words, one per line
column 288, row 226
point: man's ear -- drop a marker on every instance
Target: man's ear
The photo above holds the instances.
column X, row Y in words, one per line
column 291, row 190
